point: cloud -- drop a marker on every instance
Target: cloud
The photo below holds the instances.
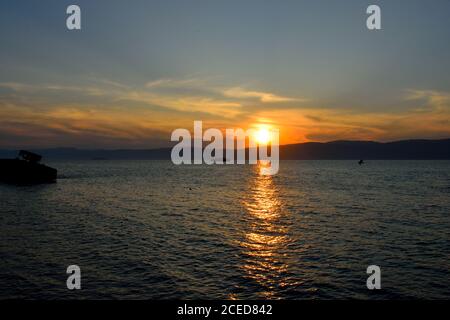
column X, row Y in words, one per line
column 105, row 111
column 327, row 124
column 175, row 83
column 433, row 99
column 82, row 126
column 189, row 104
column 189, row 95
column 264, row 97
column 199, row 95
column 14, row 86
column 42, row 88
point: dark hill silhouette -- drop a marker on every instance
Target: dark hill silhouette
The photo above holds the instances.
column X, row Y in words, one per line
column 336, row 150
column 406, row 149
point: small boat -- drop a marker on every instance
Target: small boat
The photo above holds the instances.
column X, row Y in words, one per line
column 360, row 162
column 26, row 169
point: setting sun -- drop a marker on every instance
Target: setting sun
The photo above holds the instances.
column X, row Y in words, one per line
column 263, row 136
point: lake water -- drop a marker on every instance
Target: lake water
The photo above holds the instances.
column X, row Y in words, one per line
column 153, row 230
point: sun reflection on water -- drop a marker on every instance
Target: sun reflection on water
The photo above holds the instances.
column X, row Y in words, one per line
column 266, row 237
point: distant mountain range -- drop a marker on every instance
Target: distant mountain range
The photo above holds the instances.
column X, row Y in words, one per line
column 406, row 149
column 336, row 150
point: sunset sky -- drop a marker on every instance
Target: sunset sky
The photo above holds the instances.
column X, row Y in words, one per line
column 139, row 69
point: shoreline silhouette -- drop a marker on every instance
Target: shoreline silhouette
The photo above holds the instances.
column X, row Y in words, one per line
column 335, row 150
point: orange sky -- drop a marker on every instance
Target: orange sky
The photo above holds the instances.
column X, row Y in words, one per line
column 112, row 115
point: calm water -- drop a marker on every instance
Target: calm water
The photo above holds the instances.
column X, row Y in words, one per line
column 151, row 230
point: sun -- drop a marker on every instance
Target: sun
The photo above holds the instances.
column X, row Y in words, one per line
column 262, row 136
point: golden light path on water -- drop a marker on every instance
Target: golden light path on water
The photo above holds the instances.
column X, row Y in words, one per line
column 267, row 236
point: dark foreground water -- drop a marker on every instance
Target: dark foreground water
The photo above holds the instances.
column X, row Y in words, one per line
column 152, row 230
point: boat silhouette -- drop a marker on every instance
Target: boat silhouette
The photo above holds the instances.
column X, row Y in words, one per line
column 26, row 169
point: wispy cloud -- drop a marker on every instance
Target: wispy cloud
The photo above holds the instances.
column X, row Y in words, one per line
column 185, row 103
column 264, row 97
column 14, row 86
column 176, row 83
column 42, row 88
column 108, row 111
column 200, row 95
column 190, row 95
column 75, row 125
column 326, row 124
column 437, row 100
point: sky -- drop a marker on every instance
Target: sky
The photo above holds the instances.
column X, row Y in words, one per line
column 137, row 70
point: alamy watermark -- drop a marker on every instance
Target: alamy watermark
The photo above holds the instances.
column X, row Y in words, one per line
column 74, row 280
column 231, row 150
column 374, row 280
column 73, row 21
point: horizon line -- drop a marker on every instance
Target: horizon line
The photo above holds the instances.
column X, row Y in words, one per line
column 169, row 147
